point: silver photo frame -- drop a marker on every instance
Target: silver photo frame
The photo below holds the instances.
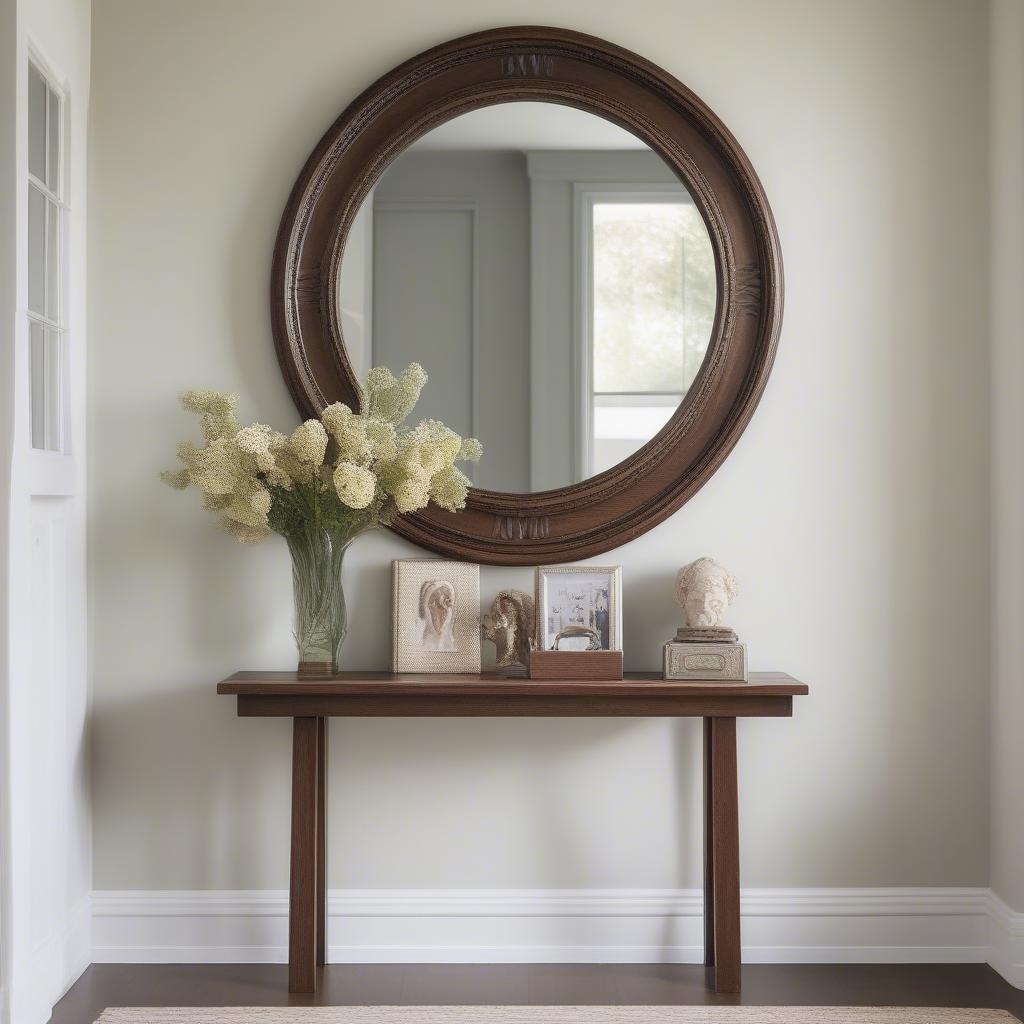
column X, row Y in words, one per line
column 574, row 602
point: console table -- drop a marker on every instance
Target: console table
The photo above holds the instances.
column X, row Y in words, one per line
column 311, row 701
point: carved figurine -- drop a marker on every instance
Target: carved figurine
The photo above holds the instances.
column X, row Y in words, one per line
column 510, row 625
column 705, row 589
column 437, row 616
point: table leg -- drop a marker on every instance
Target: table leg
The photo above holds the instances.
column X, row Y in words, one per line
column 709, row 863
column 321, row 842
column 721, row 856
column 303, row 886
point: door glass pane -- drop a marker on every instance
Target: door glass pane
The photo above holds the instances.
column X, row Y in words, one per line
column 45, row 243
column 54, row 388
column 52, row 261
column 46, row 367
column 53, row 146
column 36, row 251
column 36, row 124
column 37, row 369
column 653, row 298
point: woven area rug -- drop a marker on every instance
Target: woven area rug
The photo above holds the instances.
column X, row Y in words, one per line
column 554, row 1015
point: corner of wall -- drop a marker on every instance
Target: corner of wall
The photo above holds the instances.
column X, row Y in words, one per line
column 1006, row 221
column 1007, row 940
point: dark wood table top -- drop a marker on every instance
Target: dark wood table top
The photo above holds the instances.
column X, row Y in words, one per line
column 291, row 684
column 399, row 694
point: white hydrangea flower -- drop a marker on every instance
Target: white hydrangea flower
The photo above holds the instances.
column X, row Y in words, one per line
column 355, row 485
column 352, row 442
column 407, row 483
column 208, row 401
column 308, row 443
column 219, row 426
column 471, row 451
column 435, row 435
column 254, row 439
column 216, row 502
column 392, row 398
column 216, row 410
column 383, row 439
column 245, row 534
column 215, row 469
column 287, row 462
column 378, row 378
column 412, row 493
column 178, row 479
column 334, row 417
column 251, row 508
column 186, row 451
column 449, row 489
column 418, row 456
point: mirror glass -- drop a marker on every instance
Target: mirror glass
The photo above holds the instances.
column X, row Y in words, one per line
column 552, row 275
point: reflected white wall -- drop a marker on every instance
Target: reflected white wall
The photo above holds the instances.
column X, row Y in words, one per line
column 452, row 291
column 355, row 289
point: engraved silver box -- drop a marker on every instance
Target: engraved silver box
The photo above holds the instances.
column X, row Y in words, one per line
column 708, row 662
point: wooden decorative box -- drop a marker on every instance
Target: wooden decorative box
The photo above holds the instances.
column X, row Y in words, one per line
column 576, row 665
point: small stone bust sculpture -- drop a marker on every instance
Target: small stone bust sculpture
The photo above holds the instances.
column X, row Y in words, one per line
column 510, row 625
column 705, row 589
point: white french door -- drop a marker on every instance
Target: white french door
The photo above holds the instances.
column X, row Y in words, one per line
column 45, row 861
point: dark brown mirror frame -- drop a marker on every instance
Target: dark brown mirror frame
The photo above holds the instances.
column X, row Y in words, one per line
column 552, row 65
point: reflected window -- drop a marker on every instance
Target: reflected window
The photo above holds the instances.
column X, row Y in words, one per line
column 650, row 309
column 47, row 243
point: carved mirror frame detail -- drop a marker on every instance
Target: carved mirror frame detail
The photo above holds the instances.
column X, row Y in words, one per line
column 552, row 65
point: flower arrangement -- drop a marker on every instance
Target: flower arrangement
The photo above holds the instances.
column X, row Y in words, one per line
column 347, row 471
column 321, row 486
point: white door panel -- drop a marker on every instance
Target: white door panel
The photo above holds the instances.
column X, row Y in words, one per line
column 45, row 841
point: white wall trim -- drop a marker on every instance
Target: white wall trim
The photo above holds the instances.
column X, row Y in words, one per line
column 1007, row 939
column 897, row 925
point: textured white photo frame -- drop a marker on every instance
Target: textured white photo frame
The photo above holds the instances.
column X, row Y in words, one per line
column 425, row 637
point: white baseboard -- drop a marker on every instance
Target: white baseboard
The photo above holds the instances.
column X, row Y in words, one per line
column 1007, row 937
column 922, row 925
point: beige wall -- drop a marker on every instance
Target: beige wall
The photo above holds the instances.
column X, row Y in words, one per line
column 854, row 510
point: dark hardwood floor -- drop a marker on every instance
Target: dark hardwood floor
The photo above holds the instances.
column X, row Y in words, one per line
column 387, row 984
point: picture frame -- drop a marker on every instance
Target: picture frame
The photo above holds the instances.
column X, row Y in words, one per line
column 575, row 602
column 435, row 616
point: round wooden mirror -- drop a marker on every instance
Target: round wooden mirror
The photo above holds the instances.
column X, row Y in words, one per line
column 606, row 324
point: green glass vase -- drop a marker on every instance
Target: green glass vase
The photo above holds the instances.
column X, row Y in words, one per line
column 320, row 620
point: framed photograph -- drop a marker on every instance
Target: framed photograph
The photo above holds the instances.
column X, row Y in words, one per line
column 436, row 616
column 579, row 607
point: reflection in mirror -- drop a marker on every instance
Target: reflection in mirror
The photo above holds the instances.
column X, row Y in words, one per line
column 552, row 275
